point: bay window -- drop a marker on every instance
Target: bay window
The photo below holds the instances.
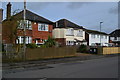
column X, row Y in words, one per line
column 69, row 32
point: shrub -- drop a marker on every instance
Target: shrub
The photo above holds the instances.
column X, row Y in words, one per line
column 50, row 42
column 32, row 45
column 82, row 48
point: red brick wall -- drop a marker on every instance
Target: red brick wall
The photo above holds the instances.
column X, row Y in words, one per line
column 41, row 34
column 62, row 41
column 28, row 32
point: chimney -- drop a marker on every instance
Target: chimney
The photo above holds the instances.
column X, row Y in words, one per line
column 8, row 10
column 1, row 15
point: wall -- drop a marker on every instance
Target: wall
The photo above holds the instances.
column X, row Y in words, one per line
column 41, row 34
column 58, row 33
column 43, row 53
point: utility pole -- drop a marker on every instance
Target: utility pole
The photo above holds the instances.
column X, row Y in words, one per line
column 24, row 38
column 100, row 31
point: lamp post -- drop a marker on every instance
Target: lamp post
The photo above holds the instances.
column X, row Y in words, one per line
column 100, row 31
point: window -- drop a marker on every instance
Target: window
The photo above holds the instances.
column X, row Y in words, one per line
column 80, row 33
column 69, row 42
column 27, row 23
column 92, row 35
column 70, row 32
column 111, row 38
column 42, row 27
column 102, row 36
column 20, row 24
column 105, row 37
column 118, row 38
column 115, row 38
column 97, row 36
column 21, row 38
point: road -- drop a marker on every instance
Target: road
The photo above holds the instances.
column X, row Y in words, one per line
column 95, row 68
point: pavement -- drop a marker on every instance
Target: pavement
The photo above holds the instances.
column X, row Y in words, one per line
column 26, row 64
column 8, row 67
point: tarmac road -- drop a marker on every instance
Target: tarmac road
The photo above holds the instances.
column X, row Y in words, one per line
column 96, row 68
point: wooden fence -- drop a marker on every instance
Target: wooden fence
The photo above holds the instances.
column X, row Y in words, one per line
column 111, row 50
column 43, row 53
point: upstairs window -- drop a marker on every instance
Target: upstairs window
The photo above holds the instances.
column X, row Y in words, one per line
column 23, row 23
column 70, row 32
column 29, row 25
column 93, row 36
column 98, row 36
column 105, row 37
column 42, row 27
column 20, row 24
column 102, row 36
column 80, row 33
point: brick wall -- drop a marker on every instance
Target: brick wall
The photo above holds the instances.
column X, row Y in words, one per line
column 41, row 34
column 62, row 41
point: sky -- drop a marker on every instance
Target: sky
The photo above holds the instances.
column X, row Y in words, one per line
column 86, row 14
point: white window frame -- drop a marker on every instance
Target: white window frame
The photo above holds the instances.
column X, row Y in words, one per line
column 70, row 32
column 80, row 33
column 28, row 24
column 43, row 27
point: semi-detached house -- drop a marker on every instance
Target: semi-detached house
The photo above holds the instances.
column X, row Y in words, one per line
column 95, row 37
column 37, row 28
column 68, row 33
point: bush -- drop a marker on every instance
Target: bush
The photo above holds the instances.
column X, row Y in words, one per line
column 32, row 45
column 82, row 48
column 50, row 42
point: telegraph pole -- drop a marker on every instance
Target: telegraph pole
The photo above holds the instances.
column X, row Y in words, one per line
column 24, row 39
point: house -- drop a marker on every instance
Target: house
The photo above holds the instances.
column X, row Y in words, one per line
column 37, row 28
column 68, row 33
column 115, row 37
column 95, row 37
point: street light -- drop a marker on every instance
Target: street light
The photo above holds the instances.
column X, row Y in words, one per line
column 100, row 31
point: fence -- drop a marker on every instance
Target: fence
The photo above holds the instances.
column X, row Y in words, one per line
column 111, row 50
column 105, row 50
column 43, row 53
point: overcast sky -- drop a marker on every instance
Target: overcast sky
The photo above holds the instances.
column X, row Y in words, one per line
column 86, row 14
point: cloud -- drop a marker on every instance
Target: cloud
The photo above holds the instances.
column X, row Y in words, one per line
column 37, row 5
column 77, row 5
column 114, row 10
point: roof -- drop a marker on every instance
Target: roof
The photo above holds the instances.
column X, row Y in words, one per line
column 95, row 32
column 115, row 33
column 64, row 23
column 32, row 17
